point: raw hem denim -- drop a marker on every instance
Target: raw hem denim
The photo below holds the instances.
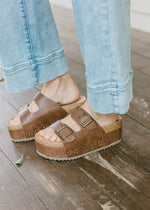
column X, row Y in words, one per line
column 35, row 71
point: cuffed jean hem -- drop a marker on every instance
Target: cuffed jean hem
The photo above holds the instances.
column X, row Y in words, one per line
column 114, row 98
column 39, row 70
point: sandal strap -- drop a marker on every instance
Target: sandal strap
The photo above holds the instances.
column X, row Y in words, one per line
column 24, row 107
column 88, row 126
column 48, row 113
column 63, row 131
column 85, row 120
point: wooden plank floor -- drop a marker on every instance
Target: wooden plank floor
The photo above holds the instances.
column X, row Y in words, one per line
column 116, row 178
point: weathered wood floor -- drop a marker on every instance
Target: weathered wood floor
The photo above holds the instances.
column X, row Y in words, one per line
column 116, row 178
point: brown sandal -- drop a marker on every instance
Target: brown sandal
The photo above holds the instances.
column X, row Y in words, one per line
column 48, row 113
column 91, row 138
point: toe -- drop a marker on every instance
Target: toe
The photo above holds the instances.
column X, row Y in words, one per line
column 12, row 122
column 49, row 134
column 42, row 132
column 15, row 121
column 53, row 137
column 58, row 139
column 45, row 132
column 46, row 137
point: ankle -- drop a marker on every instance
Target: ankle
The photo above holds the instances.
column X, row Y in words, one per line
column 51, row 85
column 102, row 119
column 62, row 89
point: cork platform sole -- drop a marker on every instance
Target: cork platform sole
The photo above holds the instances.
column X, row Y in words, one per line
column 78, row 156
column 45, row 147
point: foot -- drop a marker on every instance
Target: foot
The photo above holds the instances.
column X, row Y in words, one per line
column 102, row 119
column 53, row 90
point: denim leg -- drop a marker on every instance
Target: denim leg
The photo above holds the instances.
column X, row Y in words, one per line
column 30, row 50
column 103, row 28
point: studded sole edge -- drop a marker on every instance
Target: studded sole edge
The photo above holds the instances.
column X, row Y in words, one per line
column 79, row 156
column 23, row 140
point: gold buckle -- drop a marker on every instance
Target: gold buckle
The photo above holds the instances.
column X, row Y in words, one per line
column 66, row 134
column 82, row 115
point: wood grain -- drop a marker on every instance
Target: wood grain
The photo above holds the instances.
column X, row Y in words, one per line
column 116, row 178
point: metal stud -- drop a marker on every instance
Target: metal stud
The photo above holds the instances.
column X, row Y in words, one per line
column 35, row 130
column 44, row 127
column 99, row 142
column 106, row 140
column 91, row 145
column 76, row 150
column 83, row 148
column 68, row 152
column 27, row 133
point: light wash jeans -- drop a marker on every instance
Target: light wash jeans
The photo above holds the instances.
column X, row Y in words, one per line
column 31, row 53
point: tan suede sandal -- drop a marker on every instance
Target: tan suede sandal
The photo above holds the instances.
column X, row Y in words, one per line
column 48, row 112
column 91, row 138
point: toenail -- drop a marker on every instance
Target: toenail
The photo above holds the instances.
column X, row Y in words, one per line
column 53, row 138
column 13, row 122
column 41, row 133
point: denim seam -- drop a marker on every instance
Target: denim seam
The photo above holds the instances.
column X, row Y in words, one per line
column 26, row 27
column 43, row 60
column 28, row 37
column 110, row 86
column 105, row 26
column 113, row 70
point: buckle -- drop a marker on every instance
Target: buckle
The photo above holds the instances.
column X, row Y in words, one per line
column 24, row 107
column 66, row 134
column 81, row 116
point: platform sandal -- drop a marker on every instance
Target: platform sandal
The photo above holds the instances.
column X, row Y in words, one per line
column 48, row 113
column 90, row 138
